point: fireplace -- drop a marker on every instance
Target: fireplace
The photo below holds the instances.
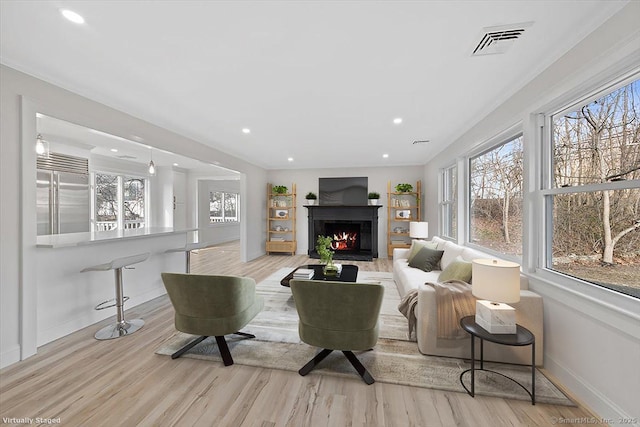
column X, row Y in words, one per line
column 354, row 230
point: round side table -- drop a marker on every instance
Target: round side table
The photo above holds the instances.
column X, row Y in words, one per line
column 522, row 337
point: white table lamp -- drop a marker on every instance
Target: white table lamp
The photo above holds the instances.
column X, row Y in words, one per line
column 495, row 283
column 418, row 230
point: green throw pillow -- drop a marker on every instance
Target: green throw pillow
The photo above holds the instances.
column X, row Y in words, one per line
column 459, row 269
column 416, row 245
column 426, row 259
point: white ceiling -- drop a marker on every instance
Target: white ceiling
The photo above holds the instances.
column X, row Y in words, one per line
column 318, row 81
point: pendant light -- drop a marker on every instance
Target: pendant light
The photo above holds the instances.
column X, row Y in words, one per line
column 152, row 166
column 42, row 147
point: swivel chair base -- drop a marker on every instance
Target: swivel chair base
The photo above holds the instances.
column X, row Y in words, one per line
column 119, row 329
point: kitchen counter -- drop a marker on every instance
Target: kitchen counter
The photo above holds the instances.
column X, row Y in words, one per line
column 95, row 237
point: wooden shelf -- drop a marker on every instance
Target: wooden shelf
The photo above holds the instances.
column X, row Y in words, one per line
column 290, row 244
column 415, row 207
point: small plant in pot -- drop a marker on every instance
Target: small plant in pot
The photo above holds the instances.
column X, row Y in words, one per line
column 279, row 189
column 404, row 188
column 373, row 198
column 323, row 247
column 311, row 198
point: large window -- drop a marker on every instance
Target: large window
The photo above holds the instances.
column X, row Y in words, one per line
column 119, row 202
column 593, row 191
column 223, row 207
column 449, row 202
column 495, row 205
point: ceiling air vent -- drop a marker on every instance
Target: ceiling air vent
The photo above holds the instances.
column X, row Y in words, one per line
column 499, row 39
column 126, row 157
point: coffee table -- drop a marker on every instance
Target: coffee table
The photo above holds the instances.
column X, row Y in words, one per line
column 349, row 273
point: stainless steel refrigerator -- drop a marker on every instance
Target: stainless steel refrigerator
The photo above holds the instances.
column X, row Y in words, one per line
column 63, row 194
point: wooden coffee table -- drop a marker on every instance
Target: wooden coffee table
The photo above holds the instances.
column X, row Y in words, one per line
column 349, row 273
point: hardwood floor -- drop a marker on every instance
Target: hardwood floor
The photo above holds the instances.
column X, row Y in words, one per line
column 78, row 381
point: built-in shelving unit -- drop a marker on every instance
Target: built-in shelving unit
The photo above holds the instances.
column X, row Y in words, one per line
column 402, row 208
column 281, row 221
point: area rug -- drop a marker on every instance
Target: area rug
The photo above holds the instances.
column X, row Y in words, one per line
column 395, row 359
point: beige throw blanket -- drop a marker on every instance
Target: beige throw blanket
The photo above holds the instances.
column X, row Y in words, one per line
column 454, row 301
column 408, row 308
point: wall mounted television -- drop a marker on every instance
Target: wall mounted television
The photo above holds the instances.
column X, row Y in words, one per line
column 343, row 191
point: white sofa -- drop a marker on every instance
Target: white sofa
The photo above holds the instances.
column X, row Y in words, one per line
column 528, row 310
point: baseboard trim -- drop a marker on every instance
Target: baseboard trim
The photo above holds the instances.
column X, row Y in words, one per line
column 10, row 356
column 581, row 391
column 80, row 322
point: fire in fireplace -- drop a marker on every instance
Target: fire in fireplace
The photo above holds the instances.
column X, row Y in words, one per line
column 346, row 237
column 344, row 241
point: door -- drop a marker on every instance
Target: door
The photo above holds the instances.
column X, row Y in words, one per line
column 73, row 201
column 44, row 208
column 179, row 205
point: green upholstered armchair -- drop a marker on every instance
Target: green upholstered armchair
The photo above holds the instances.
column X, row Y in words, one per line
column 212, row 306
column 338, row 316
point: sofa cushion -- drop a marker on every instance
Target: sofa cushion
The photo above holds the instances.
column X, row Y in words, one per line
column 426, row 259
column 451, row 251
column 416, row 245
column 458, row 269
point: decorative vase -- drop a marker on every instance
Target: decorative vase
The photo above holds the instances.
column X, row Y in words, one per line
column 330, row 269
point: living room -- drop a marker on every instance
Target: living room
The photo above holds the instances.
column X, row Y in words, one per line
column 591, row 341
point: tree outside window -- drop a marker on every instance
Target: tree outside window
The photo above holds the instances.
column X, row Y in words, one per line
column 495, row 183
column 594, row 191
column 119, row 202
column 223, row 207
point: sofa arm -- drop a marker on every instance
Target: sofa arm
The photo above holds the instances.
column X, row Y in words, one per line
column 400, row 253
column 529, row 313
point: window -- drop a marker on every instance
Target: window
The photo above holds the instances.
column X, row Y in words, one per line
column 223, row 207
column 495, row 205
column 593, row 191
column 119, row 202
column 449, row 202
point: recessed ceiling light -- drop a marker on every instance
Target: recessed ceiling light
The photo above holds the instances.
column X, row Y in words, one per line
column 72, row 16
column 397, row 120
column 290, row 159
column 115, row 150
column 175, row 164
column 246, row 130
column 386, row 156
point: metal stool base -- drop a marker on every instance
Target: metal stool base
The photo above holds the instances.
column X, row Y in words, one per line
column 118, row 330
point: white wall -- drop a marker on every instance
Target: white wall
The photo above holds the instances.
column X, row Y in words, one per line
column 307, row 180
column 19, row 277
column 592, row 335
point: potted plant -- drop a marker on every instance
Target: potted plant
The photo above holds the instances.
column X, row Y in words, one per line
column 323, row 247
column 404, row 188
column 311, row 198
column 373, row 198
column 279, row 189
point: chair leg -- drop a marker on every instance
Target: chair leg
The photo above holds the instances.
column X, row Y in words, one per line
column 244, row 334
column 366, row 376
column 224, row 350
column 187, row 347
column 314, row 362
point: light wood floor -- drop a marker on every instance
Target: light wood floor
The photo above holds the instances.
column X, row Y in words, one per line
column 84, row 382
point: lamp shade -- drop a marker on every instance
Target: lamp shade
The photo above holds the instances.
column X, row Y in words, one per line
column 496, row 280
column 418, row 230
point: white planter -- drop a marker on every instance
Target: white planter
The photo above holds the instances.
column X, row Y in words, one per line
column 311, row 201
column 373, row 201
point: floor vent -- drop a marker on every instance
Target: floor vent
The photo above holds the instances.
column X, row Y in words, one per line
column 499, row 39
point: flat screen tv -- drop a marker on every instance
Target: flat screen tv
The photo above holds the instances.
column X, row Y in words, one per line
column 343, row 191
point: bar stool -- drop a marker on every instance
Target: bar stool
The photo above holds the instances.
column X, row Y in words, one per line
column 122, row 327
column 187, row 251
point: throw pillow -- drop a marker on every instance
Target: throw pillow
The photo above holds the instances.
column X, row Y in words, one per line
column 416, row 245
column 426, row 259
column 458, row 269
